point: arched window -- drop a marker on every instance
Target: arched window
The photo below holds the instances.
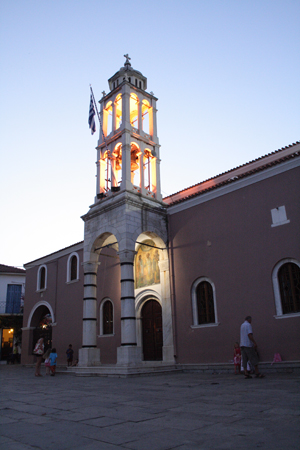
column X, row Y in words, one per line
column 134, row 105
column 106, row 318
column 135, row 164
column 286, row 283
column 118, row 106
column 116, row 176
column 204, row 303
column 42, row 278
column 107, row 119
column 73, row 267
column 146, row 109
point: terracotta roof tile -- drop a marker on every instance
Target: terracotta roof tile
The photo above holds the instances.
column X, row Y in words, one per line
column 11, row 269
column 260, row 164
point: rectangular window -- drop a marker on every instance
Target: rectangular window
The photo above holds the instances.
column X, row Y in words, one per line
column 13, row 299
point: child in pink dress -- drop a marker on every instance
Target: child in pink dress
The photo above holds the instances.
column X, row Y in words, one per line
column 237, row 356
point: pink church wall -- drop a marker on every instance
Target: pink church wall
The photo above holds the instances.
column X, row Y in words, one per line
column 66, row 300
column 243, row 252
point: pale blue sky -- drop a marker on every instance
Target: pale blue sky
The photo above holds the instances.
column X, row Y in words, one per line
column 226, row 74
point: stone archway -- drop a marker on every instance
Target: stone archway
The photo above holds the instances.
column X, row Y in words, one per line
column 40, row 321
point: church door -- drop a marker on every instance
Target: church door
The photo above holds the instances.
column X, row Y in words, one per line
column 152, row 331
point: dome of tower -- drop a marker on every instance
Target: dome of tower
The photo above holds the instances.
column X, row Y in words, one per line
column 127, row 73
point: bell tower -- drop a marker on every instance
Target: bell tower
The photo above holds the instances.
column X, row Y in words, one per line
column 127, row 211
column 128, row 147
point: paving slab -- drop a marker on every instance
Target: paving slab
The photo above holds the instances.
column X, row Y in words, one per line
column 182, row 411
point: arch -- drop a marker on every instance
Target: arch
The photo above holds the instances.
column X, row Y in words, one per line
column 42, row 278
column 134, row 110
column 146, row 116
column 33, row 317
column 107, row 118
column 278, row 286
column 149, row 171
column 105, row 239
column 117, row 166
column 203, row 291
column 135, row 164
column 73, row 267
column 106, row 317
column 118, row 106
column 40, row 322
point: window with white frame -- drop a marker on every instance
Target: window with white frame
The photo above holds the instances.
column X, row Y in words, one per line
column 106, row 318
column 73, row 267
column 286, row 285
column 204, row 303
column 42, row 278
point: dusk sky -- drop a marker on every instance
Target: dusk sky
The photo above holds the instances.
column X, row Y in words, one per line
column 226, row 74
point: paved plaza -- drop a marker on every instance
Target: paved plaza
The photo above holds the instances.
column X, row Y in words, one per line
column 182, row 411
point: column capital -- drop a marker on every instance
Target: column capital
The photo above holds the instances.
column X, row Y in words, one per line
column 90, row 266
column 127, row 256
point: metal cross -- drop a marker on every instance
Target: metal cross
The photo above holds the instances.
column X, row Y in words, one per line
column 127, row 58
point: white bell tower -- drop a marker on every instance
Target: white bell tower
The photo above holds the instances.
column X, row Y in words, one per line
column 128, row 208
column 128, row 148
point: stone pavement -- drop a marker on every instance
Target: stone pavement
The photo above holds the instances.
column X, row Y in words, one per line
column 182, row 411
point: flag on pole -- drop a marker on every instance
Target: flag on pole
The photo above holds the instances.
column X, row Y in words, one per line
column 92, row 113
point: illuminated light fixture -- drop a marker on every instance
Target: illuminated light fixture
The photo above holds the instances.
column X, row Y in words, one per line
column 11, row 330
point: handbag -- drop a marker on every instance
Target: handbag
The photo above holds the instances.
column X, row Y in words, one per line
column 38, row 350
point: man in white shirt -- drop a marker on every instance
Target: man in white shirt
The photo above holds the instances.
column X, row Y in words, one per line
column 248, row 348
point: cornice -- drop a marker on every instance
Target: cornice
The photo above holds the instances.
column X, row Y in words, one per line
column 121, row 199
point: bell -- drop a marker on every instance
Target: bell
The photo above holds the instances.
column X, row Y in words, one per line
column 134, row 166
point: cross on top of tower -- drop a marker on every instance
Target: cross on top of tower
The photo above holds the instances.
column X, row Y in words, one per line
column 127, row 63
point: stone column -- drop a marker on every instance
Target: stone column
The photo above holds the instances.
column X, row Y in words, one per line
column 89, row 354
column 126, row 162
column 168, row 344
column 128, row 353
column 157, row 174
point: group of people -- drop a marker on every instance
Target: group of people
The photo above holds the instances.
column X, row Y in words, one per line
column 245, row 354
column 50, row 358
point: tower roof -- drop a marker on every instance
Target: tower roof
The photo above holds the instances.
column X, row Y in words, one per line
column 125, row 72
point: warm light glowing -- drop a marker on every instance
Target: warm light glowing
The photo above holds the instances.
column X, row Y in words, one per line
column 118, row 106
column 135, row 164
column 134, row 107
column 107, row 119
column 147, row 169
column 146, row 108
column 116, row 175
column 11, row 331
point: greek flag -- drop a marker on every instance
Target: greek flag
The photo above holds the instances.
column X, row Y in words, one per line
column 92, row 113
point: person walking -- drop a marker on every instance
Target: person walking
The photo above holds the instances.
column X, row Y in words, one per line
column 38, row 352
column 249, row 348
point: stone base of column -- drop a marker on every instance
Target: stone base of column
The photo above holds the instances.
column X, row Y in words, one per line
column 168, row 354
column 129, row 355
column 89, row 357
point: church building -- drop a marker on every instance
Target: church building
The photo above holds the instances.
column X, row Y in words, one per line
column 163, row 282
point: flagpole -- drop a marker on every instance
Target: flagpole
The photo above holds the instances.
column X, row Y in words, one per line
column 99, row 118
